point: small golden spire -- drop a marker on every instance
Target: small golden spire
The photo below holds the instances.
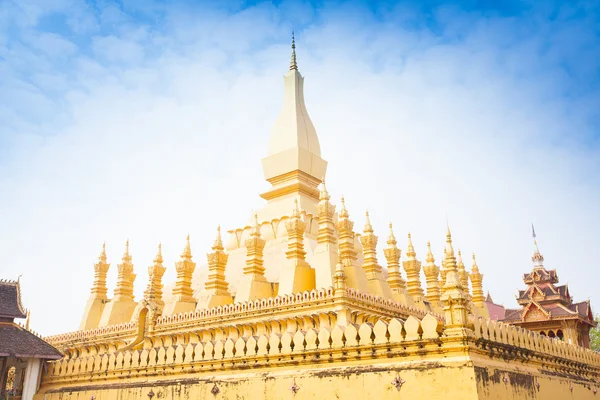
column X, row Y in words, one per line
column 343, row 210
column 449, row 249
column 187, row 251
column 475, row 267
column 323, row 194
column 293, row 64
column 159, row 258
column 126, row 255
column 391, row 239
column 410, row 249
column 368, row 227
column 429, row 258
column 256, row 230
column 28, row 320
column 218, row 243
column 296, row 211
column 102, row 256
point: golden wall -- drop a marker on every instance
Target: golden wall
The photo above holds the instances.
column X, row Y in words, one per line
column 385, row 360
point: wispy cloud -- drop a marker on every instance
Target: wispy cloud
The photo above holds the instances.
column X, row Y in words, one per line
column 144, row 121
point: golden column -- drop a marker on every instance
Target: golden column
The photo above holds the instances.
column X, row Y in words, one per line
column 372, row 269
column 98, row 297
column 297, row 275
column 454, row 300
column 217, row 292
column 183, row 295
column 355, row 276
column 412, row 266
column 254, row 285
column 432, row 272
column 325, row 255
column 477, row 284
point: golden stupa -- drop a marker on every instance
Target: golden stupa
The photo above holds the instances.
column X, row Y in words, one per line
column 296, row 305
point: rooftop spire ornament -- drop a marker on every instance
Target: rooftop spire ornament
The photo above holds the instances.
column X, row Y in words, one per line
column 293, row 64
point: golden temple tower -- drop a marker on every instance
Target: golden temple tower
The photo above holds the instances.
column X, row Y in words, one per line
column 122, row 305
column 412, row 266
column 183, row 299
column 432, row 272
column 95, row 305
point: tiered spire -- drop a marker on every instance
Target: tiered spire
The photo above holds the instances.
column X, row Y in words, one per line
column 325, row 212
column 369, row 243
column 253, row 284
column 293, row 64
column 462, row 273
column 297, row 275
column 216, row 285
column 325, row 254
column 293, row 164
column 346, row 235
column 477, row 284
column 377, row 285
column 339, row 279
column 538, row 259
column 431, row 277
column 156, row 271
column 454, row 300
column 295, row 228
column 392, row 255
column 125, row 277
column 355, row 275
column 254, row 255
column 99, row 288
column 185, row 268
column 412, row 266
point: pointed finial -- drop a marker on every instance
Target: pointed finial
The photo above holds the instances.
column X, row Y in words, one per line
column 102, row 256
column 218, row 244
column 410, row 249
column 343, row 210
column 256, row 230
column 126, row 255
column 474, row 267
column 187, row 251
column 296, row 212
column 27, row 321
column 537, row 258
column 391, row 238
column 368, row 227
column 430, row 259
column 159, row 259
column 449, row 251
column 323, row 195
column 293, row 64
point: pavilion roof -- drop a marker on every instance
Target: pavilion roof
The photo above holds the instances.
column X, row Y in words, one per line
column 16, row 341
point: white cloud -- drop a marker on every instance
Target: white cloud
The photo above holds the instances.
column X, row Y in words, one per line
column 413, row 128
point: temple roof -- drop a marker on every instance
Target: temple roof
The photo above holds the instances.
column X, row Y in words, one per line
column 10, row 300
column 579, row 311
column 16, row 341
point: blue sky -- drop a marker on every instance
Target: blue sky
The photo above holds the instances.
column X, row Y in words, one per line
column 148, row 120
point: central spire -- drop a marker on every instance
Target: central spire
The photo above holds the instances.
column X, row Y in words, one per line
column 294, row 166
